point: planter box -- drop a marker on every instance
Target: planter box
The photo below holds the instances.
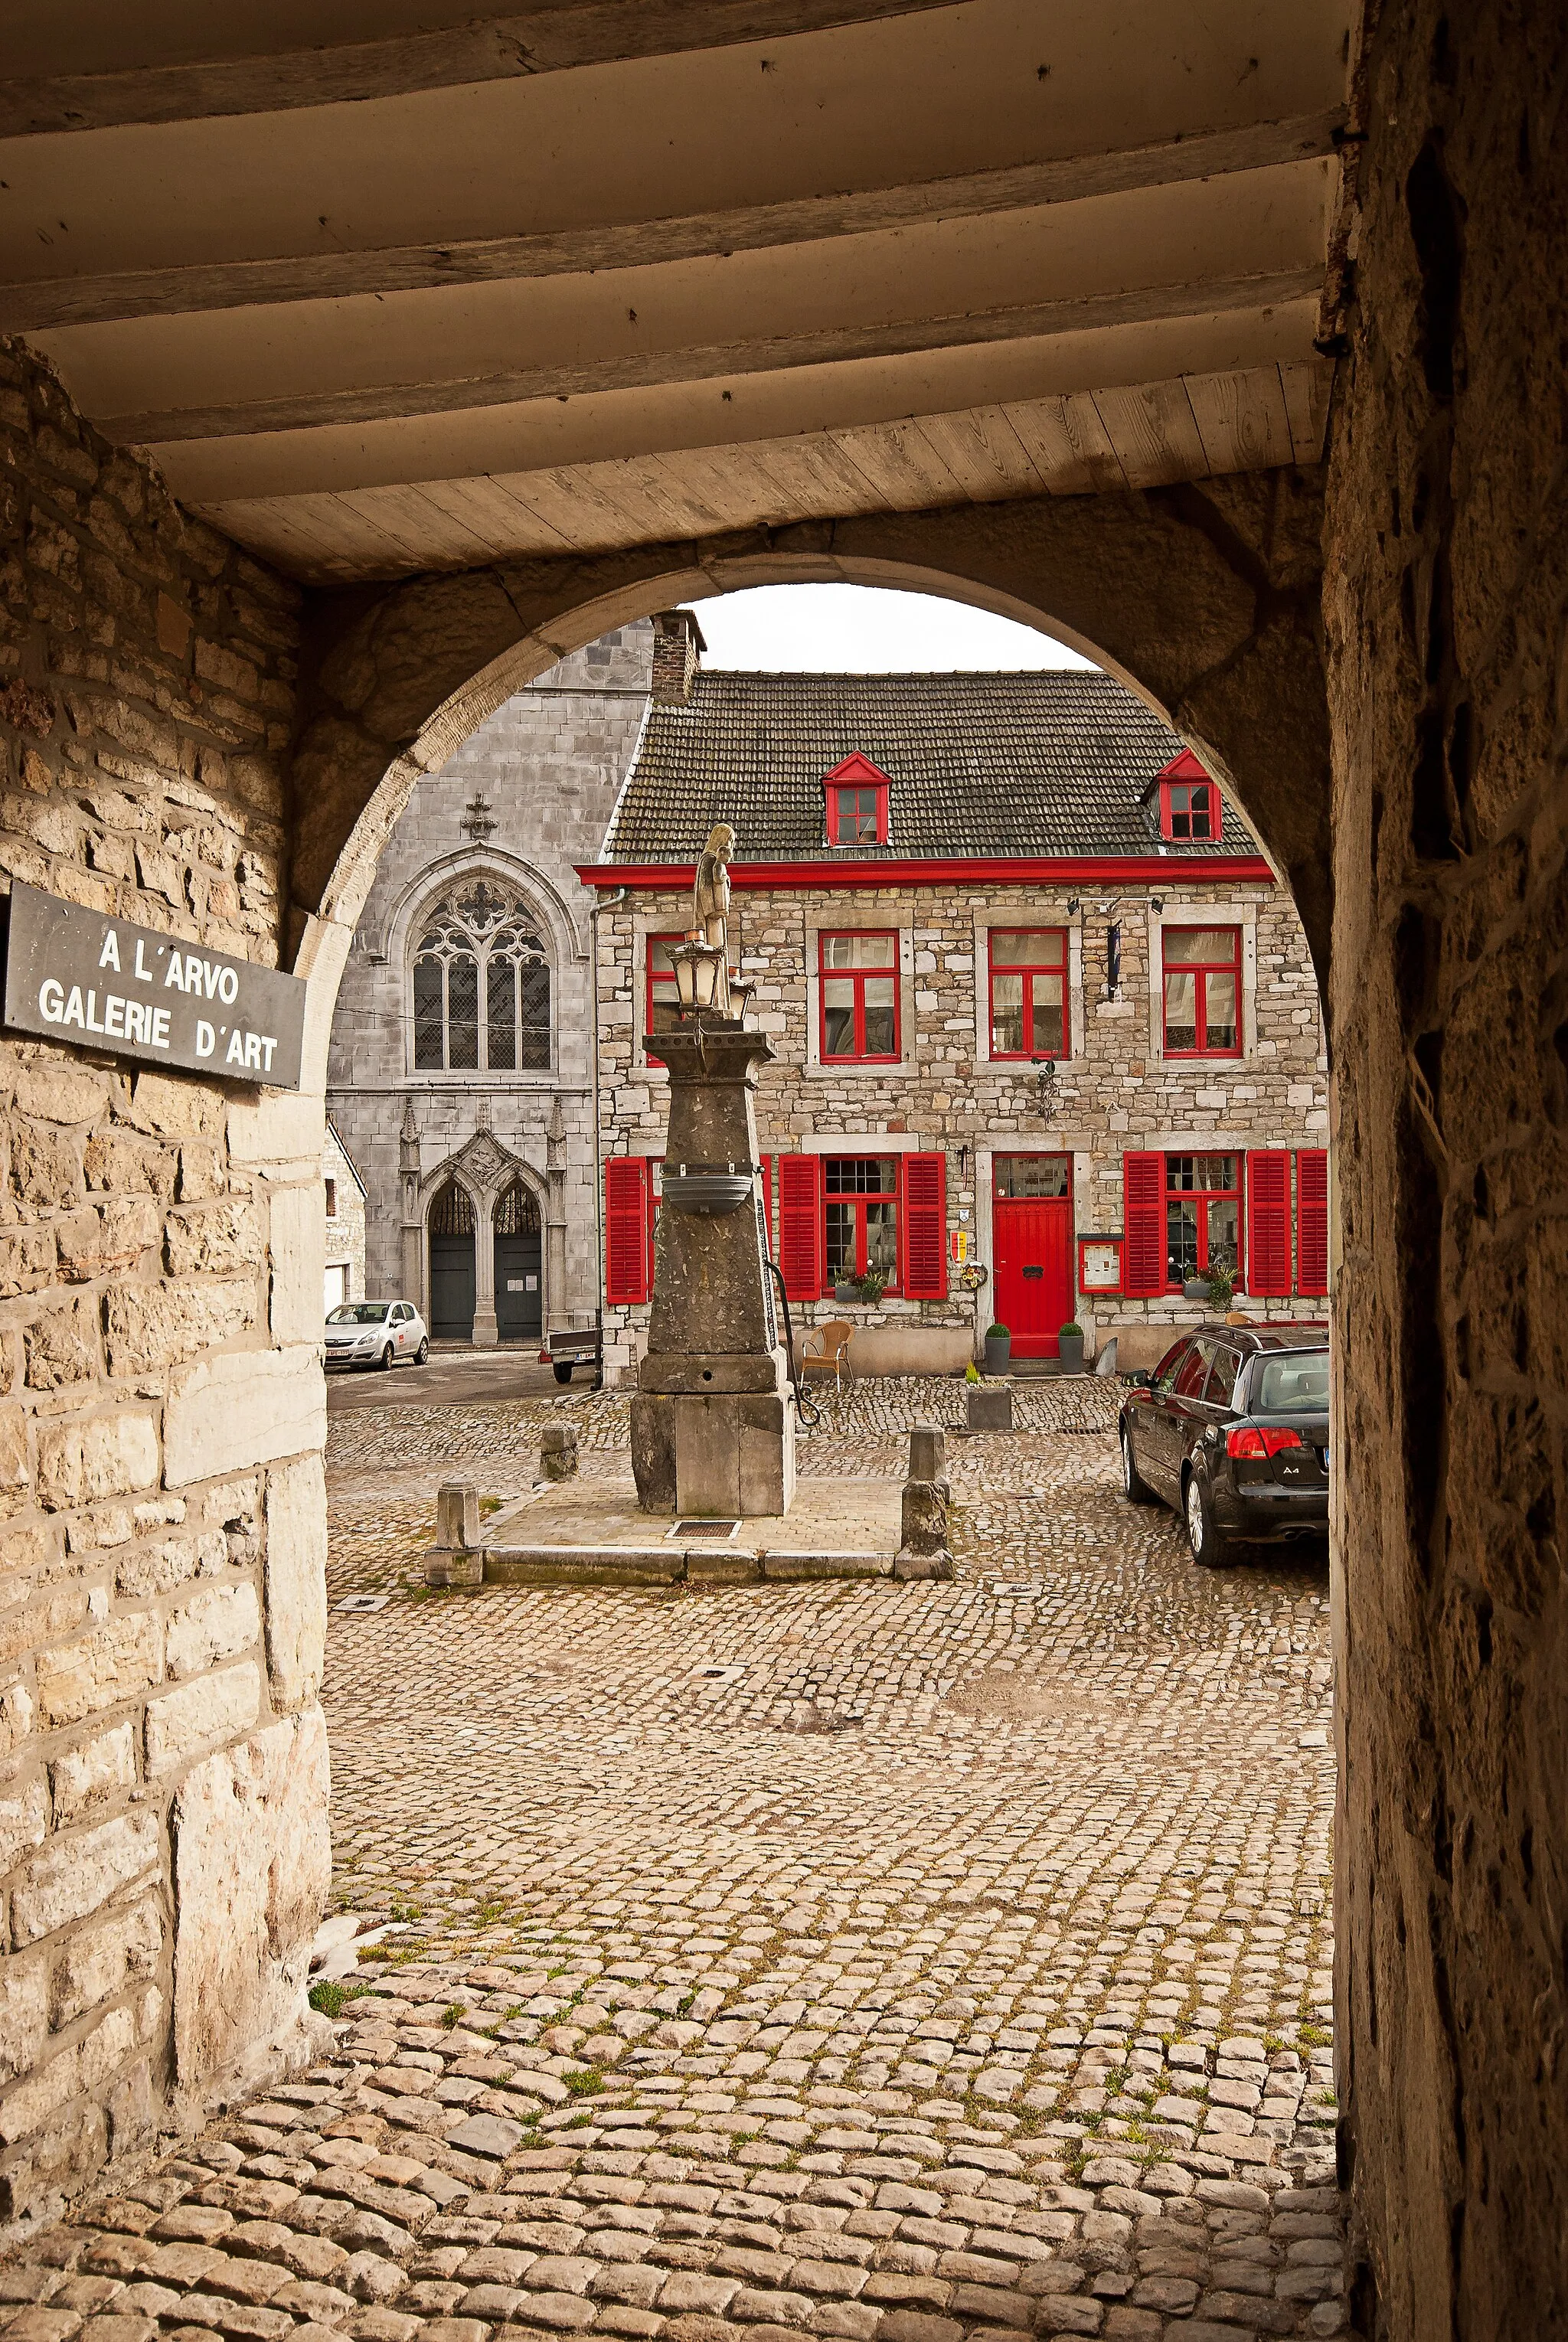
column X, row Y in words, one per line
column 1071, row 1354
column 998, row 1354
column 989, row 1409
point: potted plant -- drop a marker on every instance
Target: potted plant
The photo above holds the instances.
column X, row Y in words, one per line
column 998, row 1349
column 869, row 1287
column 1070, row 1347
column 1222, row 1289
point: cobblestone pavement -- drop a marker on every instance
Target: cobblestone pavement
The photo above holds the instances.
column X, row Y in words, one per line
column 897, row 1963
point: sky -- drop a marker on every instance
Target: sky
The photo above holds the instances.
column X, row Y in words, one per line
column 865, row 630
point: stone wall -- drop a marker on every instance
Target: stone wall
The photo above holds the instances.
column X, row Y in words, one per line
column 548, row 766
column 1115, row 1091
column 1447, row 617
column 163, row 1814
column 345, row 1252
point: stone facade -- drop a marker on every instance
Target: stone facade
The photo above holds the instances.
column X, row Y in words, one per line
column 527, row 796
column 344, row 1216
column 1114, row 1092
column 163, row 1813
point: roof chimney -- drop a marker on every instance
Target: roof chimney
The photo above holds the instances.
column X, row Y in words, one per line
column 677, row 643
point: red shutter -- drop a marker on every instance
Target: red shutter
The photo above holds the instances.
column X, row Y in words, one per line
column 628, row 1192
column 1143, row 1226
column 801, row 1255
column 924, row 1231
column 1268, row 1223
column 1312, row 1221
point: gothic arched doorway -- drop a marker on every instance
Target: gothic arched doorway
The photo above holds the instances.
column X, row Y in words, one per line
column 452, row 1265
column 519, row 1266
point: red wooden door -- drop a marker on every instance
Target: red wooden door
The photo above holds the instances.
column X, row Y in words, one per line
column 1032, row 1246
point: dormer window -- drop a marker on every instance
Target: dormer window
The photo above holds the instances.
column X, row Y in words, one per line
column 1189, row 802
column 857, row 795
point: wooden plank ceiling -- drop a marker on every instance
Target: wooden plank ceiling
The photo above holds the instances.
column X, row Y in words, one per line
column 385, row 285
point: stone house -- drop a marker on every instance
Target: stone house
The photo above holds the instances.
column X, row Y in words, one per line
column 460, row 1077
column 1048, row 1039
column 344, row 1195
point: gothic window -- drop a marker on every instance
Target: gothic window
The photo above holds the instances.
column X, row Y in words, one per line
column 481, row 983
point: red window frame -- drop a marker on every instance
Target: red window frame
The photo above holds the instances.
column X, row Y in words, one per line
column 920, row 1193
column 1188, row 794
column 854, row 1201
column 661, row 982
column 1186, row 804
column 1177, row 1190
column 1201, row 971
column 857, row 978
column 856, row 777
column 1028, row 970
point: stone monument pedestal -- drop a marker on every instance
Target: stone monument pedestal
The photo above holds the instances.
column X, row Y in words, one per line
column 712, row 1422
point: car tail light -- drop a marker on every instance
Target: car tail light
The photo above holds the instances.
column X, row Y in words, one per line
column 1249, row 1440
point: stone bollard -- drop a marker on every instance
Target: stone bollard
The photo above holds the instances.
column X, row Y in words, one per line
column 558, row 1451
column 454, row 1558
column 923, row 1526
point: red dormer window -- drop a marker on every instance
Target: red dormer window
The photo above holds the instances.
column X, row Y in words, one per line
column 1189, row 802
column 857, row 794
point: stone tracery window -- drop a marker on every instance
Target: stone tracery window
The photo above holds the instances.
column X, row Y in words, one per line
column 481, row 983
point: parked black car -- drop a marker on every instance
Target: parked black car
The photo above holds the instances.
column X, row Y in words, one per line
column 1232, row 1430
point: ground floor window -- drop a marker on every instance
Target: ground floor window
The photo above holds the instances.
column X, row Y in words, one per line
column 1203, row 1215
column 862, row 1217
column 1264, row 1216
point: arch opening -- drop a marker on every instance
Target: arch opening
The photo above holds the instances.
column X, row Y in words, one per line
column 450, row 1235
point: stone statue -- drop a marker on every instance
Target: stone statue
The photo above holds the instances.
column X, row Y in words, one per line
column 711, row 894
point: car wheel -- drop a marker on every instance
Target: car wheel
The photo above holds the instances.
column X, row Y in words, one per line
column 563, row 1374
column 1137, row 1489
column 1208, row 1547
column 386, row 1359
column 422, row 1355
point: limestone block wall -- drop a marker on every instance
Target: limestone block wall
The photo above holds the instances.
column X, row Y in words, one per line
column 1446, row 604
column 344, row 1223
column 1116, row 1091
column 549, row 766
column 162, row 1822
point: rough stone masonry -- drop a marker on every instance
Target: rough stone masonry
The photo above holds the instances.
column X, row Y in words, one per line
column 163, row 1817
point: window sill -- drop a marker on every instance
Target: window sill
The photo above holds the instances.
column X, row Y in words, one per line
column 838, row 1067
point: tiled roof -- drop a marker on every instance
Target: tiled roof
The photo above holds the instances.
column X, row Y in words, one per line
column 981, row 764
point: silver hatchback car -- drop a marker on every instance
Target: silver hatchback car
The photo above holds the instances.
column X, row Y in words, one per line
column 382, row 1334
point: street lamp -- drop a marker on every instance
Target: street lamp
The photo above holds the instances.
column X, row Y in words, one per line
column 698, row 970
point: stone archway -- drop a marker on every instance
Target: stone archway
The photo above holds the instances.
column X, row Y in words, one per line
column 1204, row 601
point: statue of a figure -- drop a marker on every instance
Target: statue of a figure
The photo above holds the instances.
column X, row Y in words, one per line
column 711, row 894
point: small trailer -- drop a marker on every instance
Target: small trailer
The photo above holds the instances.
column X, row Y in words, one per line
column 577, row 1345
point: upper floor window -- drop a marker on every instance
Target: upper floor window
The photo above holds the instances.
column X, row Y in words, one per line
column 331, row 1186
column 1189, row 802
column 858, row 801
column 1203, row 975
column 858, row 998
column 1028, row 992
column 481, row 983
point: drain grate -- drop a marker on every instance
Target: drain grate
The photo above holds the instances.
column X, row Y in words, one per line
column 704, row 1529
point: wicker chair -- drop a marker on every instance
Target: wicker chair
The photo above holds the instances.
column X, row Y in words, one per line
column 825, row 1351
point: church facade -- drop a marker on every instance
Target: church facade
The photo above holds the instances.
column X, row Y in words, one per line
column 460, row 1074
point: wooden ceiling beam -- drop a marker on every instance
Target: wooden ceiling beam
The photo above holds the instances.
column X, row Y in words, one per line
column 1033, row 321
column 225, row 77
column 68, row 301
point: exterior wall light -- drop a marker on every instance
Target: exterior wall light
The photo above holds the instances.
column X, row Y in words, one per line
column 698, row 970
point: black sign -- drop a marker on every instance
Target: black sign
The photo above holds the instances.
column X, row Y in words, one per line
column 82, row 978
